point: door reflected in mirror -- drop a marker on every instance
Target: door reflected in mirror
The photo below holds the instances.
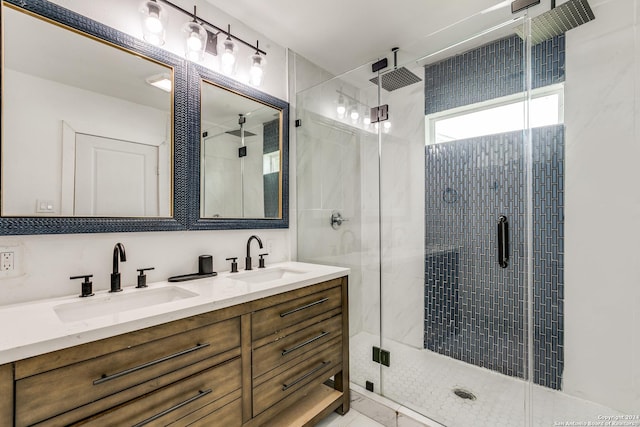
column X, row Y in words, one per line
column 86, row 131
column 241, row 156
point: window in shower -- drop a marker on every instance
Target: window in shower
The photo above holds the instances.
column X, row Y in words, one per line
column 496, row 116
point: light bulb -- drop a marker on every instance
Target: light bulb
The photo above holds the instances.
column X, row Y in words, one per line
column 367, row 120
column 386, row 126
column 355, row 115
column 153, row 23
column 193, row 42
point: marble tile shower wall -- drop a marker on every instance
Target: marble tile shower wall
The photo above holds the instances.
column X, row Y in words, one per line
column 474, row 310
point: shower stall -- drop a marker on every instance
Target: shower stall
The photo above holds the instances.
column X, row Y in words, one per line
column 487, row 188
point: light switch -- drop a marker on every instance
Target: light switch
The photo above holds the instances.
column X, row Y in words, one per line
column 45, row 206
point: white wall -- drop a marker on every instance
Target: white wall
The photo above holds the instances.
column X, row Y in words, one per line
column 47, row 261
column 35, row 132
column 602, row 220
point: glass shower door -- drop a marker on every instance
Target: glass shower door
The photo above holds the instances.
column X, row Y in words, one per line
column 454, row 223
column 337, row 208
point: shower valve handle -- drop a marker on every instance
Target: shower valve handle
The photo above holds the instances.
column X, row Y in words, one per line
column 337, row 220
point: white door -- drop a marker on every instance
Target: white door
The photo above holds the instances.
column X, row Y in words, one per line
column 115, row 177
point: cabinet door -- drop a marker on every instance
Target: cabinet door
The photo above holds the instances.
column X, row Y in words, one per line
column 6, row 395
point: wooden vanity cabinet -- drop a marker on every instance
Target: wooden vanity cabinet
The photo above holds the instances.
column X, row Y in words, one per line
column 264, row 362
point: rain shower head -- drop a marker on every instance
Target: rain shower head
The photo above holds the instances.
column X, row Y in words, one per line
column 559, row 20
column 236, row 132
column 396, row 78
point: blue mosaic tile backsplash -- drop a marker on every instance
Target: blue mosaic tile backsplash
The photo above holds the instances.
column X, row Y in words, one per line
column 475, row 311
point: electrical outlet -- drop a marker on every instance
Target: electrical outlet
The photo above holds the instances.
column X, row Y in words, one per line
column 11, row 261
column 6, row 261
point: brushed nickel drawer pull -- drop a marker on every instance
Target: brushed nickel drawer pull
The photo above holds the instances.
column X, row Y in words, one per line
column 106, row 378
column 173, row 408
column 304, row 307
column 302, row 344
column 286, row 387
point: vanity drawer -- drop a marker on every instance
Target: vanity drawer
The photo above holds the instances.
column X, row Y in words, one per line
column 273, row 319
column 125, row 374
column 289, row 377
column 274, row 354
column 183, row 403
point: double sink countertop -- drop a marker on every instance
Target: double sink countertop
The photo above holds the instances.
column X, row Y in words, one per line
column 38, row 327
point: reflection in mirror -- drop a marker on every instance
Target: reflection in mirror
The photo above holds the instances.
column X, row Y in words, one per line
column 85, row 133
column 241, row 156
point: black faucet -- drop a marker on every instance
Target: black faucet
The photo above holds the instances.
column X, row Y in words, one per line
column 118, row 255
column 247, row 260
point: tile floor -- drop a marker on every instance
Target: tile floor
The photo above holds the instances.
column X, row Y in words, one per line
column 424, row 381
column 353, row 418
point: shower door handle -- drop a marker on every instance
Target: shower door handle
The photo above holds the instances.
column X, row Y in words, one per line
column 503, row 241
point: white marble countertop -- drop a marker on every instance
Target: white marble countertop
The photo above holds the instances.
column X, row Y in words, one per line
column 34, row 328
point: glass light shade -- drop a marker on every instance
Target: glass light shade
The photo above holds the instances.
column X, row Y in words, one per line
column 154, row 22
column 256, row 73
column 355, row 115
column 367, row 117
column 195, row 41
column 342, row 109
column 228, row 59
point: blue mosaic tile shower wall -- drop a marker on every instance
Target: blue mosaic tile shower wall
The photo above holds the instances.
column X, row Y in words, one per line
column 271, row 181
column 491, row 71
column 475, row 310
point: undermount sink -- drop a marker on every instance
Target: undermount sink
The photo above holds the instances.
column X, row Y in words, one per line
column 107, row 304
column 267, row 275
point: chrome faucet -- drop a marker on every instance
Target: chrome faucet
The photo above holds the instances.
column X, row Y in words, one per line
column 247, row 260
column 118, row 255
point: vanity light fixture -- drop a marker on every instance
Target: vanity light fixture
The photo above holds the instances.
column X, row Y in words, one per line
column 195, row 39
column 257, row 67
column 154, row 20
column 161, row 81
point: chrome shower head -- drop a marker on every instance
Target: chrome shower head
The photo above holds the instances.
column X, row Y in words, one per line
column 558, row 20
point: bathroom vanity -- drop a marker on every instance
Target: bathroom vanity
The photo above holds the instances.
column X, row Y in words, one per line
column 267, row 347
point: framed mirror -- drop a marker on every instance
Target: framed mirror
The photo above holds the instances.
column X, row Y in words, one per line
column 240, row 170
column 90, row 136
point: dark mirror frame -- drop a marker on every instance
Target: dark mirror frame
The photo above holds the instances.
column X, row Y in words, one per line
column 197, row 73
column 60, row 225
